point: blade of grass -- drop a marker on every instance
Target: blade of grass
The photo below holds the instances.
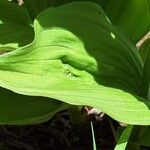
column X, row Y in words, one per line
column 93, row 137
column 124, row 138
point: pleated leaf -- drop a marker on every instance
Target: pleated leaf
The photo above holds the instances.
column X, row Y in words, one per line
column 78, row 57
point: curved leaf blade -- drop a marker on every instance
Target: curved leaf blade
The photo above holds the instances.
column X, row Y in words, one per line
column 118, row 104
column 72, row 65
column 124, row 139
column 80, row 47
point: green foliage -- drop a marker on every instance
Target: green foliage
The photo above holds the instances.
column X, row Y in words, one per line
column 77, row 54
column 132, row 16
column 123, row 140
column 72, row 65
column 15, row 29
column 146, row 72
column 19, row 109
column 144, row 49
column 143, row 137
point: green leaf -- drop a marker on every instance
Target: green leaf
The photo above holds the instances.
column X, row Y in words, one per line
column 35, row 7
column 88, row 48
column 146, row 70
column 19, row 110
column 15, row 29
column 75, row 54
column 122, row 14
column 132, row 146
column 124, row 138
column 144, row 137
column 144, row 49
column 132, row 16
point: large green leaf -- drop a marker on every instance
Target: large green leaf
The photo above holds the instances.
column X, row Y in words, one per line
column 19, row 109
column 122, row 14
column 132, row 16
column 15, row 29
column 75, row 53
column 89, row 47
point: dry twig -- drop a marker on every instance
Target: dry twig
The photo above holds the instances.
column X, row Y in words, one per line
column 142, row 41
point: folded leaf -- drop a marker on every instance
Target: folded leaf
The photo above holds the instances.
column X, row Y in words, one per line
column 75, row 54
column 62, row 39
column 15, row 29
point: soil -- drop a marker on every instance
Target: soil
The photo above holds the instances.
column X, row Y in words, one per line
column 58, row 134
